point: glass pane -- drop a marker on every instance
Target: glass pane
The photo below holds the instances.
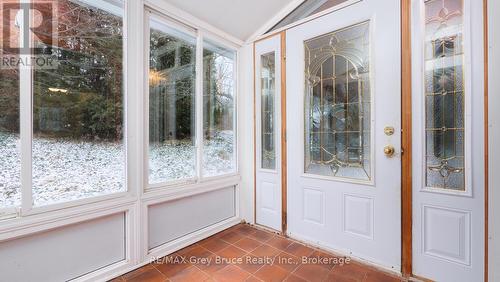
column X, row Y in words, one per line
column 444, row 95
column 267, row 77
column 172, row 66
column 218, row 110
column 78, row 148
column 10, row 156
column 306, row 9
column 337, row 111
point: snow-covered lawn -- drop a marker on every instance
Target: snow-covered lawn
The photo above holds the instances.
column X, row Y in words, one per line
column 170, row 162
column 69, row 170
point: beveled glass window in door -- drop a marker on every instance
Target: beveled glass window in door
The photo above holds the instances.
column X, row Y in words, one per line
column 268, row 89
column 444, row 95
column 337, row 104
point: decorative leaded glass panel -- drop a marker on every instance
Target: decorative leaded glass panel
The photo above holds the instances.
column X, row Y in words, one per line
column 268, row 89
column 444, row 95
column 337, row 104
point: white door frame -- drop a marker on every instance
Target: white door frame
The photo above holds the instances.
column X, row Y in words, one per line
column 268, row 182
column 493, row 246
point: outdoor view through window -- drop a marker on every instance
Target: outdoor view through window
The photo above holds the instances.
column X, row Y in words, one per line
column 77, row 114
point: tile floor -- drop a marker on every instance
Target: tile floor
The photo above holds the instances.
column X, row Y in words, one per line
column 245, row 253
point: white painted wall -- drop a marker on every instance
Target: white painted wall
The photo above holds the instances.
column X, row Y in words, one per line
column 171, row 220
column 64, row 253
column 494, row 139
column 246, row 132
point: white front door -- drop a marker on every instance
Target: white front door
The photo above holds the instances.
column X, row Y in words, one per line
column 448, row 140
column 343, row 118
column 267, row 132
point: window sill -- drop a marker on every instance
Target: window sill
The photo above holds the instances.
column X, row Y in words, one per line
column 54, row 216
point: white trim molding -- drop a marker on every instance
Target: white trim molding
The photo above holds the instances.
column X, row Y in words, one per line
column 494, row 139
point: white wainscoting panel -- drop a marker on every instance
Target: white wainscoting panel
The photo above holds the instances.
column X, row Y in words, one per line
column 64, row 253
column 173, row 219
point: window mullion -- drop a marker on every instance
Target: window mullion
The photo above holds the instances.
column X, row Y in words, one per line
column 26, row 125
column 146, row 66
column 199, row 106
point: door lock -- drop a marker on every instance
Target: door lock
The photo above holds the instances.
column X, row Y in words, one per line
column 389, row 130
column 389, row 151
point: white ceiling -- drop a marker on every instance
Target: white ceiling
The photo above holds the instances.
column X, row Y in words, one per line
column 239, row 18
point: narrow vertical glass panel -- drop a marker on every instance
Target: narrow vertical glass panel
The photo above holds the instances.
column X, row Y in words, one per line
column 218, row 110
column 78, row 148
column 172, row 81
column 444, row 94
column 337, row 104
column 267, row 100
column 10, row 153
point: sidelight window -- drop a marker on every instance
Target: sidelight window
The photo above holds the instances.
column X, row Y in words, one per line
column 444, row 95
column 268, row 118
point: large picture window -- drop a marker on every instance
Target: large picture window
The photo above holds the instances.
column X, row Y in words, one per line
column 76, row 107
column 78, row 149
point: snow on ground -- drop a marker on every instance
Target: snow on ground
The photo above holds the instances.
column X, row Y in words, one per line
column 69, row 170
column 9, row 170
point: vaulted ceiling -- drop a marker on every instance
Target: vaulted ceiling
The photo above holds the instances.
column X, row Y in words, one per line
column 239, row 18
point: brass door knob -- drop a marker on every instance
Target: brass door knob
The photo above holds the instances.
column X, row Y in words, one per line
column 389, row 151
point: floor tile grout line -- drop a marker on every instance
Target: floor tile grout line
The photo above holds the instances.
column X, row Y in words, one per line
column 252, row 232
column 315, row 248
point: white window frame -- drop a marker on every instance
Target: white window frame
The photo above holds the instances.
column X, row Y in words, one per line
column 226, row 45
column 27, row 206
column 151, row 11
